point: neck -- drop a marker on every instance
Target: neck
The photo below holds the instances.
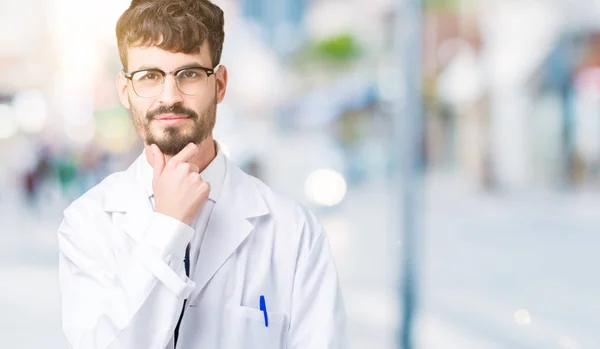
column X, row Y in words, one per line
column 207, row 151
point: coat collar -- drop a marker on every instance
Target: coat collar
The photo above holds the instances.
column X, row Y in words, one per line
column 227, row 228
column 121, row 194
column 213, row 173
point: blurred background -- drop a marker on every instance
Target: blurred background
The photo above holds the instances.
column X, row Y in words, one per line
column 506, row 176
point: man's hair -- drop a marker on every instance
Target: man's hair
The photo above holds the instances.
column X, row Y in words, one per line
column 172, row 25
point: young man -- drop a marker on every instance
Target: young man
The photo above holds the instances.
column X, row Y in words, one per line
column 183, row 249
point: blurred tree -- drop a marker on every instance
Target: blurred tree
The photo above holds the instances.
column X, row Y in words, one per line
column 446, row 4
column 333, row 53
column 342, row 47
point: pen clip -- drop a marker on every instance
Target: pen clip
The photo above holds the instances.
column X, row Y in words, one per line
column 263, row 308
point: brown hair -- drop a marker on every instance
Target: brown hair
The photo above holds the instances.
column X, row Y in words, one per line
column 172, row 25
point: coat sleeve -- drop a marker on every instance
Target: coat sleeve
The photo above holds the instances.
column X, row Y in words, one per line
column 318, row 319
column 116, row 300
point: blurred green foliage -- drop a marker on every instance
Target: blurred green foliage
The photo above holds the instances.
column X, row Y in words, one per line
column 446, row 4
column 343, row 47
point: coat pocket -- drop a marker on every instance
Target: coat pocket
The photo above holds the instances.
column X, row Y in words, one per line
column 246, row 327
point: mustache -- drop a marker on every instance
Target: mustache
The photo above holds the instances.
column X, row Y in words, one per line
column 176, row 109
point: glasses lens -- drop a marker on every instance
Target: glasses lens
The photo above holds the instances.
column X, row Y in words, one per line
column 192, row 81
column 147, row 83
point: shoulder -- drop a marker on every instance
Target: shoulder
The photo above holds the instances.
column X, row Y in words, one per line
column 96, row 198
column 86, row 223
column 289, row 215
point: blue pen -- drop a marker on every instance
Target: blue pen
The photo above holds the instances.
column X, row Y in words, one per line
column 263, row 308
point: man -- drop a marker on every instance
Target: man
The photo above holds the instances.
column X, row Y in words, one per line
column 183, row 249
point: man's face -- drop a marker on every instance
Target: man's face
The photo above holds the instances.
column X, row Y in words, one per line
column 172, row 119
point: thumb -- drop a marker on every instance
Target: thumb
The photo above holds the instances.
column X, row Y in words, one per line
column 158, row 161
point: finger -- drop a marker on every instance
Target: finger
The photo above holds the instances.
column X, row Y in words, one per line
column 187, row 168
column 205, row 187
column 205, row 190
column 158, row 161
column 186, row 153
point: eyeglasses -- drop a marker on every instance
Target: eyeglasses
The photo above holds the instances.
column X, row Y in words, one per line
column 190, row 81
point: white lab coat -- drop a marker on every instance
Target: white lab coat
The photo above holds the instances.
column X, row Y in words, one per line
column 123, row 282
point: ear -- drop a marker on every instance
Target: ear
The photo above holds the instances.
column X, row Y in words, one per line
column 221, row 79
column 123, row 90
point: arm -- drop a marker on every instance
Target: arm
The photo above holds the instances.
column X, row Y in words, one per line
column 318, row 313
column 129, row 303
column 121, row 300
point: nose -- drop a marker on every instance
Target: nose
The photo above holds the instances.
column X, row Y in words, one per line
column 170, row 94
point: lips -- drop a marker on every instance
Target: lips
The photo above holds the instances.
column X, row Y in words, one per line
column 170, row 117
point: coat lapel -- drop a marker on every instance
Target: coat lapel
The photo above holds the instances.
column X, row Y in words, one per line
column 228, row 225
column 128, row 195
column 227, row 228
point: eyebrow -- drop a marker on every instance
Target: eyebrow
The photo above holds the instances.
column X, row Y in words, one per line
column 150, row 67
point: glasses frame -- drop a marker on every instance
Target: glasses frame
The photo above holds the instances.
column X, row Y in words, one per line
column 129, row 76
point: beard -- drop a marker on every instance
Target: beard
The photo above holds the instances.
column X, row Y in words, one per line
column 172, row 139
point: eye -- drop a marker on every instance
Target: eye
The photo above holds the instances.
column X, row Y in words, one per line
column 188, row 74
column 148, row 76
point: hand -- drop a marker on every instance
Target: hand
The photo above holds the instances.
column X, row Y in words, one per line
column 179, row 192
